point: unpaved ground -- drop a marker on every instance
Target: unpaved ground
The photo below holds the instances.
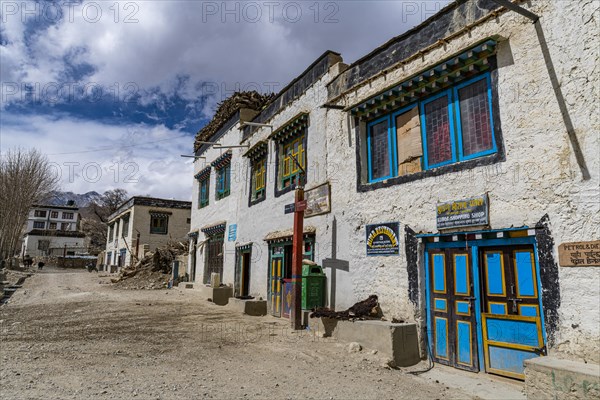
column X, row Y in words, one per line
column 70, row 335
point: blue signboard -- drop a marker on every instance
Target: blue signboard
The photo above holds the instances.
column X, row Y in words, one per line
column 232, row 236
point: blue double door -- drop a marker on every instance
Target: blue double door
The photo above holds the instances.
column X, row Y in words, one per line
column 485, row 309
column 453, row 316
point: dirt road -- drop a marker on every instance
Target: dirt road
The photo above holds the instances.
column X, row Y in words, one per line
column 71, row 335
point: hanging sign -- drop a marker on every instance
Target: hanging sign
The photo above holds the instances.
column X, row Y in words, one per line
column 579, row 254
column 318, row 200
column 461, row 213
column 382, row 239
column 232, row 234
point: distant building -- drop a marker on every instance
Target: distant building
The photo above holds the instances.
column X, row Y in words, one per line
column 53, row 230
column 142, row 224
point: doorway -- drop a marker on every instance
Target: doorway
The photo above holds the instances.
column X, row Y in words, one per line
column 484, row 307
column 213, row 262
column 280, row 270
column 242, row 272
column 454, row 333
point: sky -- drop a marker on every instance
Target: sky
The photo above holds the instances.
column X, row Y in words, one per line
column 113, row 92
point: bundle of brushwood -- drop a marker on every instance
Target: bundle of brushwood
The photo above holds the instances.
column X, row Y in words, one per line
column 226, row 109
column 154, row 270
column 365, row 309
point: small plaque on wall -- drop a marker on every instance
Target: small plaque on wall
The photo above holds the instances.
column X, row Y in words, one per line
column 579, row 254
column 382, row 239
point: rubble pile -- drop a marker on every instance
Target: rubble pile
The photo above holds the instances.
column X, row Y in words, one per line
column 365, row 309
column 154, row 270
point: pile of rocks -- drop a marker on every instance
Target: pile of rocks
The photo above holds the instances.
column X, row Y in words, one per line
column 154, row 270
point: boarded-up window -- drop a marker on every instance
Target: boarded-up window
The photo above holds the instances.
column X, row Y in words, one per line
column 408, row 137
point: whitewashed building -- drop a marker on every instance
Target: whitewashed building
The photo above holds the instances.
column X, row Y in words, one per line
column 461, row 162
column 53, row 231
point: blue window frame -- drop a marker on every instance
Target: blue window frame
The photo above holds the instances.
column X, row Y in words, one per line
column 463, row 122
column 223, row 181
column 381, row 149
column 456, row 125
column 437, row 130
column 475, row 125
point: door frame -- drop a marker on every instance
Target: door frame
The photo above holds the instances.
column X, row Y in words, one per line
column 309, row 240
column 474, row 245
column 241, row 271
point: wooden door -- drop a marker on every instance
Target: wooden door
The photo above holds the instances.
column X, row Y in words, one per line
column 512, row 331
column 276, row 279
column 453, row 319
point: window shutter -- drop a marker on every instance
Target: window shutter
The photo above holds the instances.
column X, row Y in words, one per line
column 410, row 148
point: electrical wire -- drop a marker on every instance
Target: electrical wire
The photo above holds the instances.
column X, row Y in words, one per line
column 429, row 358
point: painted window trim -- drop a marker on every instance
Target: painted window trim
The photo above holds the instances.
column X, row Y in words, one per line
column 422, row 105
column 223, row 174
column 254, row 196
column 278, row 189
column 392, row 151
column 459, row 132
column 204, row 202
column 295, row 171
column 152, row 229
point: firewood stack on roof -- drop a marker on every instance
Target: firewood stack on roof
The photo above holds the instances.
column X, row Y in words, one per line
column 226, row 109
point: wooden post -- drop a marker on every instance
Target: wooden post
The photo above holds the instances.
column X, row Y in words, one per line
column 297, row 255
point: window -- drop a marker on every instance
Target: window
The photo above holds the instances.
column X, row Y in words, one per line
column 52, row 225
column 39, row 213
column 223, row 181
column 291, row 149
column 448, row 127
column 43, row 245
column 458, row 123
column 64, row 226
column 111, row 229
column 39, row 225
column 159, row 223
column 188, row 220
column 204, row 186
column 67, row 215
column 125, row 227
column 380, row 146
column 54, row 214
column 259, row 179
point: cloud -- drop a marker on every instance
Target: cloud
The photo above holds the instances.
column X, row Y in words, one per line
column 193, row 49
column 136, row 76
column 89, row 155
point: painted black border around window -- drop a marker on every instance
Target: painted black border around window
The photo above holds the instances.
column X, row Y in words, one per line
column 499, row 156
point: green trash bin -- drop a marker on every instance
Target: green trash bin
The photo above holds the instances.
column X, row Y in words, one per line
column 313, row 285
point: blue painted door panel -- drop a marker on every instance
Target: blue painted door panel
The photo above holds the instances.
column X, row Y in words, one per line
column 511, row 320
column 454, row 330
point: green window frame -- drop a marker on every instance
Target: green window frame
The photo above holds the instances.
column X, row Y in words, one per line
column 223, row 181
column 159, row 224
column 290, row 173
column 259, row 179
column 203, row 199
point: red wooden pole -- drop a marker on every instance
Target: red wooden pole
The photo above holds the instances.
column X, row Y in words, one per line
column 297, row 255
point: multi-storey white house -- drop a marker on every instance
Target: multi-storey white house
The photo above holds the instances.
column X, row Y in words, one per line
column 453, row 172
column 53, row 230
column 142, row 224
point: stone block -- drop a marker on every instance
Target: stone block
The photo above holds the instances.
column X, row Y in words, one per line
column 399, row 341
column 251, row 307
column 219, row 296
column 553, row 378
